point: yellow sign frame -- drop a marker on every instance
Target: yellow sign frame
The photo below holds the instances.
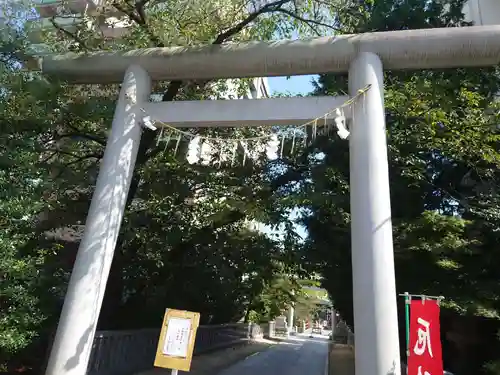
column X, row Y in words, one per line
column 171, row 362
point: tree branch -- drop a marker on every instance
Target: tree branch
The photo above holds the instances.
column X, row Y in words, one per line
column 308, row 22
column 84, row 157
column 129, row 13
column 268, row 8
column 46, row 159
column 139, row 7
column 89, row 137
column 145, row 152
column 69, row 34
column 78, row 159
column 140, row 19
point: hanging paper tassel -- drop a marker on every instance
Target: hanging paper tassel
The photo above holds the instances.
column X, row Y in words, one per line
column 250, row 152
column 293, row 142
column 160, row 136
column 235, row 148
column 272, row 147
column 340, row 122
column 282, row 146
column 221, row 155
column 167, row 141
column 193, row 152
column 205, row 153
column 177, row 143
column 243, row 146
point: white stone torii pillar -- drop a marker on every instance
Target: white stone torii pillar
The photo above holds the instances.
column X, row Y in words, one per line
column 291, row 313
column 374, row 294
column 333, row 321
column 374, row 286
column 74, row 337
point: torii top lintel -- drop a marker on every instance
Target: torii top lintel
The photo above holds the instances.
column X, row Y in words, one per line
column 407, row 49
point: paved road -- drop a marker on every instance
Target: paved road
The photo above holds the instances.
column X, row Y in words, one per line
column 299, row 355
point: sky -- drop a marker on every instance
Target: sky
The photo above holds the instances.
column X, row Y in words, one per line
column 294, row 85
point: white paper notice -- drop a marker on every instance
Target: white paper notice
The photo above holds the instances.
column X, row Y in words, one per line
column 177, row 337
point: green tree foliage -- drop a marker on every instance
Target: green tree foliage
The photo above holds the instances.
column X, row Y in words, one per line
column 442, row 129
column 20, row 314
column 275, row 299
column 185, row 239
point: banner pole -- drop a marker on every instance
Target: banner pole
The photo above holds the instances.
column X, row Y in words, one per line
column 407, row 322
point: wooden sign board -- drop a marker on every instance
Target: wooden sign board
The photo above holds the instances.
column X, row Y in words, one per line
column 177, row 337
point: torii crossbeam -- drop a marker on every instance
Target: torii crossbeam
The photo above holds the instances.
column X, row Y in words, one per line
column 364, row 57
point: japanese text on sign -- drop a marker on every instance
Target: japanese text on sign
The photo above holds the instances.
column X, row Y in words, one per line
column 177, row 337
column 424, row 338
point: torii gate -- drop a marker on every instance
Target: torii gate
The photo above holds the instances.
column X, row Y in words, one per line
column 363, row 56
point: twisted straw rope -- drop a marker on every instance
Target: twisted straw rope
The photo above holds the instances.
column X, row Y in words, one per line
column 174, row 129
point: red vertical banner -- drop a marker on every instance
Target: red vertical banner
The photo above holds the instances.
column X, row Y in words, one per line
column 425, row 339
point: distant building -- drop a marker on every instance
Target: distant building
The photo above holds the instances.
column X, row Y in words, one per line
column 96, row 15
column 482, row 12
